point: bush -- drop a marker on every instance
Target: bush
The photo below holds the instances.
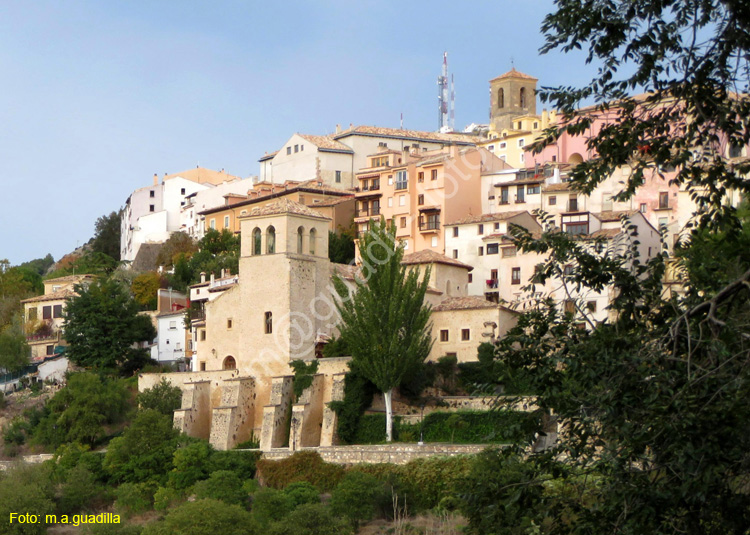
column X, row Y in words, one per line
column 302, row 492
column 204, row 517
column 302, row 466
column 358, row 394
column 165, row 498
column 145, row 451
column 113, row 529
column 310, row 519
column 163, row 398
column 242, row 463
column 190, row 464
column 24, row 489
column 270, row 505
column 357, row 496
column 222, row 485
column 3, row 401
column 81, row 491
column 134, row 498
column 15, row 432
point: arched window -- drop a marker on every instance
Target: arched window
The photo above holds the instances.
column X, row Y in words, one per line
column 523, row 97
column 270, row 240
column 312, row 241
column 256, row 241
column 300, row 230
column 229, row 364
column 501, row 98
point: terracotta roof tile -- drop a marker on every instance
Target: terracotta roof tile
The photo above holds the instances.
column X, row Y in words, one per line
column 464, row 303
column 408, row 134
column 326, row 143
column 486, row 218
column 54, row 296
column 331, row 202
column 428, row 256
column 513, row 73
column 562, row 186
column 609, row 215
column 69, row 278
column 604, row 233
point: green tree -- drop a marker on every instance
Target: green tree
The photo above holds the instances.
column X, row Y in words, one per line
column 14, row 351
column 222, row 485
column 26, row 489
column 204, row 517
column 106, row 238
column 385, row 323
column 356, row 497
column 162, row 397
column 145, row 287
column 341, row 246
column 102, row 325
column 145, row 450
column 39, row 265
column 179, row 243
column 310, row 519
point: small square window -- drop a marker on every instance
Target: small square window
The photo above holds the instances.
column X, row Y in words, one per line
column 480, row 229
column 444, row 335
column 465, row 334
column 433, row 174
column 289, row 150
column 552, row 200
column 455, row 254
column 182, row 191
column 229, row 323
column 420, row 200
column 296, row 148
column 151, row 207
column 480, row 251
column 420, row 176
column 455, row 232
column 151, row 194
column 591, row 306
column 403, row 222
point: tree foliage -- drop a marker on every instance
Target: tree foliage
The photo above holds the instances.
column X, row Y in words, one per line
column 162, row 397
column 145, row 288
column 179, row 243
column 216, row 251
column 106, row 238
column 341, row 245
column 14, row 351
column 102, row 325
column 385, row 323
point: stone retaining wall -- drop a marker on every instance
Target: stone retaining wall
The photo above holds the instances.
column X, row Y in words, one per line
column 27, row 459
column 385, row 453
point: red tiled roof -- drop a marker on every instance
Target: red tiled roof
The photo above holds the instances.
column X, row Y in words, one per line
column 406, row 134
column 428, row 256
column 513, row 73
column 486, row 218
column 464, row 303
column 326, row 143
column 284, row 206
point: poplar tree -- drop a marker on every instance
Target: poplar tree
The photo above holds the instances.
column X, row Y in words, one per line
column 384, row 321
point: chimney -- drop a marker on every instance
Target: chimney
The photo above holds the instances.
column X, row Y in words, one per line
column 338, row 128
column 156, row 179
column 203, row 277
column 223, row 273
column 165, row 176
column 212, row 278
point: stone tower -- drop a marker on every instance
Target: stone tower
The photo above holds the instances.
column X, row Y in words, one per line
column 512, row 94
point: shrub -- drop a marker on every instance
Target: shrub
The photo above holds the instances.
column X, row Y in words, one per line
column 15, row 432
column 480, row 427
column 145, row 451
column 222, row 485
column 270, row 505
column 24, row 489
column 356, row 497
column 242, row 463
column 358, row 394
column 190, row 464
column 204, row 517
column 310, row 519
column 162, row 397
column 302, row 492
column 3, row 401
column 113, row 529
column 165, row 498
column 134, row 498
column 81, row 491
column 302, row 466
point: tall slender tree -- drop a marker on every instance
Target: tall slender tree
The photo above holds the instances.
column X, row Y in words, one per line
column 384, row 322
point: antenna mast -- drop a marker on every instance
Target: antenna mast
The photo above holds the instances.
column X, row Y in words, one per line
column 444, row 99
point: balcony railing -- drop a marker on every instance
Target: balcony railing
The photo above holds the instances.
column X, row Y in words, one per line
column 401, row 185
column 429, row 225
column 43, row 337
column 492, row 284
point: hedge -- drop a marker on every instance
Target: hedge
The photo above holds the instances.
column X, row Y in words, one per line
column 302, row 466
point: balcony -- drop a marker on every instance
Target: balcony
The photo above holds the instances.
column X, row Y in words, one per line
column 43, row 336
column 401, row 185
column 492, row 284
column 429, row 226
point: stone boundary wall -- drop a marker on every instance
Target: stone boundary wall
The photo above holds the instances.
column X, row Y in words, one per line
column 26, row 459
column 385, row 453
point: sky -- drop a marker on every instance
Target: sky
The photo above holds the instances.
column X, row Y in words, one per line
column 97, row 96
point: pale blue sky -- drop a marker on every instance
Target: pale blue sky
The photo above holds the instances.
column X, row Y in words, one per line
column 96, row 97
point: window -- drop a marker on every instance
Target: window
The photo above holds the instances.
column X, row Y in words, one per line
column 455, row 253
column 433, row 174
column 420, row 176
column 382, row 161
column 504, row 195
column 497, row 226
column 492, row 248
column 501, row 98
column 520, row 125
column 401, row 180
column 521, row 142
column 471, row 278
column 643, row 208
column 203, row 366
column 402, row 200
column 57, row 311
column 313, row 237
column 536, row 125
column 575, row 229
column 491, row 148
column 552, row 200
column 522, row 158
column 32, row 314
column 573, row 203
column 203, row 335
column 226, row 221
column 569, row 306
column 735, row 151
column 663, row 222
column 151, row 194
column 212, row 224
column 289, row 150
column 480, row 251
column 229, row 323
column 503, row 144
column 301, row 148
column 444, row 335
column 151, row 208
column 302, row 199
column 515, row 275
column 50, row 350
column 296, row 148
column 229, row 363
column 338, row 177
column 434, row 241
column 533, row 189
column 480, row 229
column 270, row 240
column 256, row 241
column 520, row 194
column 182, row 191
column 420, row 200
column 522, row 97
column 47, row 313
column 403, row 222
column 300, row 231
column 390, row 202
column 663, row 200
column 173, row 325
column 591, row 306
column 390, row 180
column 406, row 244
column 455, row 232
column 465, row 334
column 268, row 323
column 509, row 252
